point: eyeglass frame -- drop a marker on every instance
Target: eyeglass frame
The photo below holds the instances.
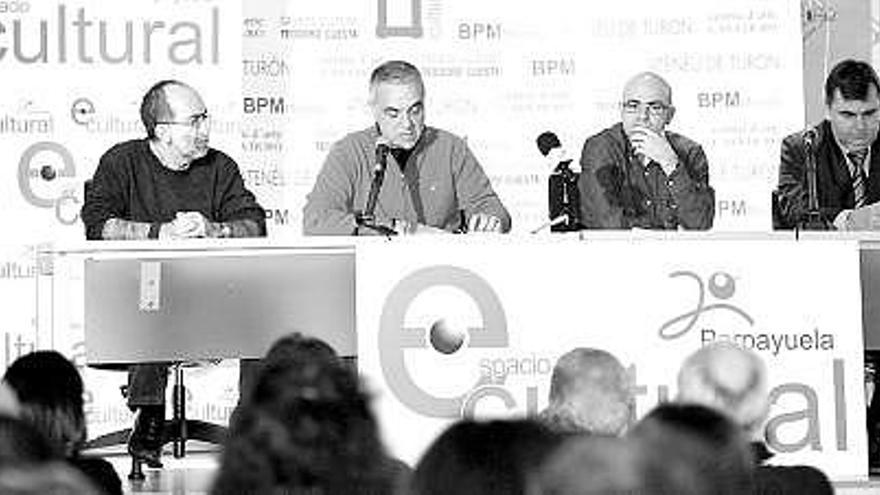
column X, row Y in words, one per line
column 655, row 108
column 195, row 121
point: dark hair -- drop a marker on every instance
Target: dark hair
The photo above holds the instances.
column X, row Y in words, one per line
column 50, row 390
column 853, row 78
column 51, row 478
column 154, row 106
column 707, row 439
column 495, row 457
column 21, row 443
column 305, row 428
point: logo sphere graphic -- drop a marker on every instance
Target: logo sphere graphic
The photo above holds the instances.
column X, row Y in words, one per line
column 721, row 285
column 445, row 338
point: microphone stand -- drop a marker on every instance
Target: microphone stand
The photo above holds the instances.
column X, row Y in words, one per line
column 813, row 220
column 366, row 218
column 570, row 210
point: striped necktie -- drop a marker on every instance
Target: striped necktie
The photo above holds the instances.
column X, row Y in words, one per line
column 859, row 182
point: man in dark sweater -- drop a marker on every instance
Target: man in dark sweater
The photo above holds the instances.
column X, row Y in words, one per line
column 170, row 185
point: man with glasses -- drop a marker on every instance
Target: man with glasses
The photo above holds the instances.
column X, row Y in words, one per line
column 846, row 153
column 433, row 181
column 636, row 174
column 169, row 185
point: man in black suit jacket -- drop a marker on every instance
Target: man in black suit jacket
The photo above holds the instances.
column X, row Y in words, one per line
column 846, row 153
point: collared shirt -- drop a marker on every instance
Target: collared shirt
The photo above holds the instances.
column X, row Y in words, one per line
column 618, row 191
column 866, row 163
column 440, row 179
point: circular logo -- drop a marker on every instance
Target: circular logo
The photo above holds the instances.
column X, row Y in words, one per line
column 40, row 166
column 395, row 337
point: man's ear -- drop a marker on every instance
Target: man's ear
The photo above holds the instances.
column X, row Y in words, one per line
column 162, row 134
column 670, row 114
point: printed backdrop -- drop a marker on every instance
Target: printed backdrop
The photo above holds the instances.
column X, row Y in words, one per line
column 460, row 334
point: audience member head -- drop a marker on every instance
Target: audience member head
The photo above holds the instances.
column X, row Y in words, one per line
column 589, row 392
column 22, row 443
column 52, row 478
column 852, row 100
column 9, row 405
column 306, row 427
column 50, row 390
column 294, row 349
column 700, row 438
column 729, row 379
column 494, row 457
column 587, row 465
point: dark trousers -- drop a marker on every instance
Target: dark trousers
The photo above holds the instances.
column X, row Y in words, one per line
column 872, row 375
column 147, row 382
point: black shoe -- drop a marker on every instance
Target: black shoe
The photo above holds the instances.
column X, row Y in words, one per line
column 145, row 442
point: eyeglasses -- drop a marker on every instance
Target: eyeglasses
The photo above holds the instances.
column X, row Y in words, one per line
column 655, row 108
column 196, row 121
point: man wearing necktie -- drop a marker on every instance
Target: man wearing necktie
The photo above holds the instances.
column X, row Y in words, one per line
column 845, row 149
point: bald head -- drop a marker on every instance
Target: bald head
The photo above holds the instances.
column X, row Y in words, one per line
column 648, row 81
column 727, row 378
column 647, row 102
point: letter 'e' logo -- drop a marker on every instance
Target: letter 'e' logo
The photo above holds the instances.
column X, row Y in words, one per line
column 395, row 337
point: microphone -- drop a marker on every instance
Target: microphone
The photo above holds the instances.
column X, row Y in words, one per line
column 809, row 137
column 378, row 177
column 813, row 219
column 546, row 142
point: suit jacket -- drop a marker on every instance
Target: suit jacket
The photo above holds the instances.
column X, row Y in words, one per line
column 782, row 480
column 833, row 180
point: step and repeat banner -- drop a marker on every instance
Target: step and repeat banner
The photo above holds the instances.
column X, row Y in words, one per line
column 500, row 73
column 284, row 79
column 459, row 334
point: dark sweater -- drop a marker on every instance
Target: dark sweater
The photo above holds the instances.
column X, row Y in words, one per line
column 131, row 184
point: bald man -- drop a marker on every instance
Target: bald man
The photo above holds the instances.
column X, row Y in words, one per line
column 730, row 379
column 636, row 174
column 734, row 381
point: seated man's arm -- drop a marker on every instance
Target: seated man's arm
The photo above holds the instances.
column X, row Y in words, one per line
column 105, row 207
column 239, row 214
column 329, row 208
column 600, row 185
column 689, row 186
column 474, row 191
